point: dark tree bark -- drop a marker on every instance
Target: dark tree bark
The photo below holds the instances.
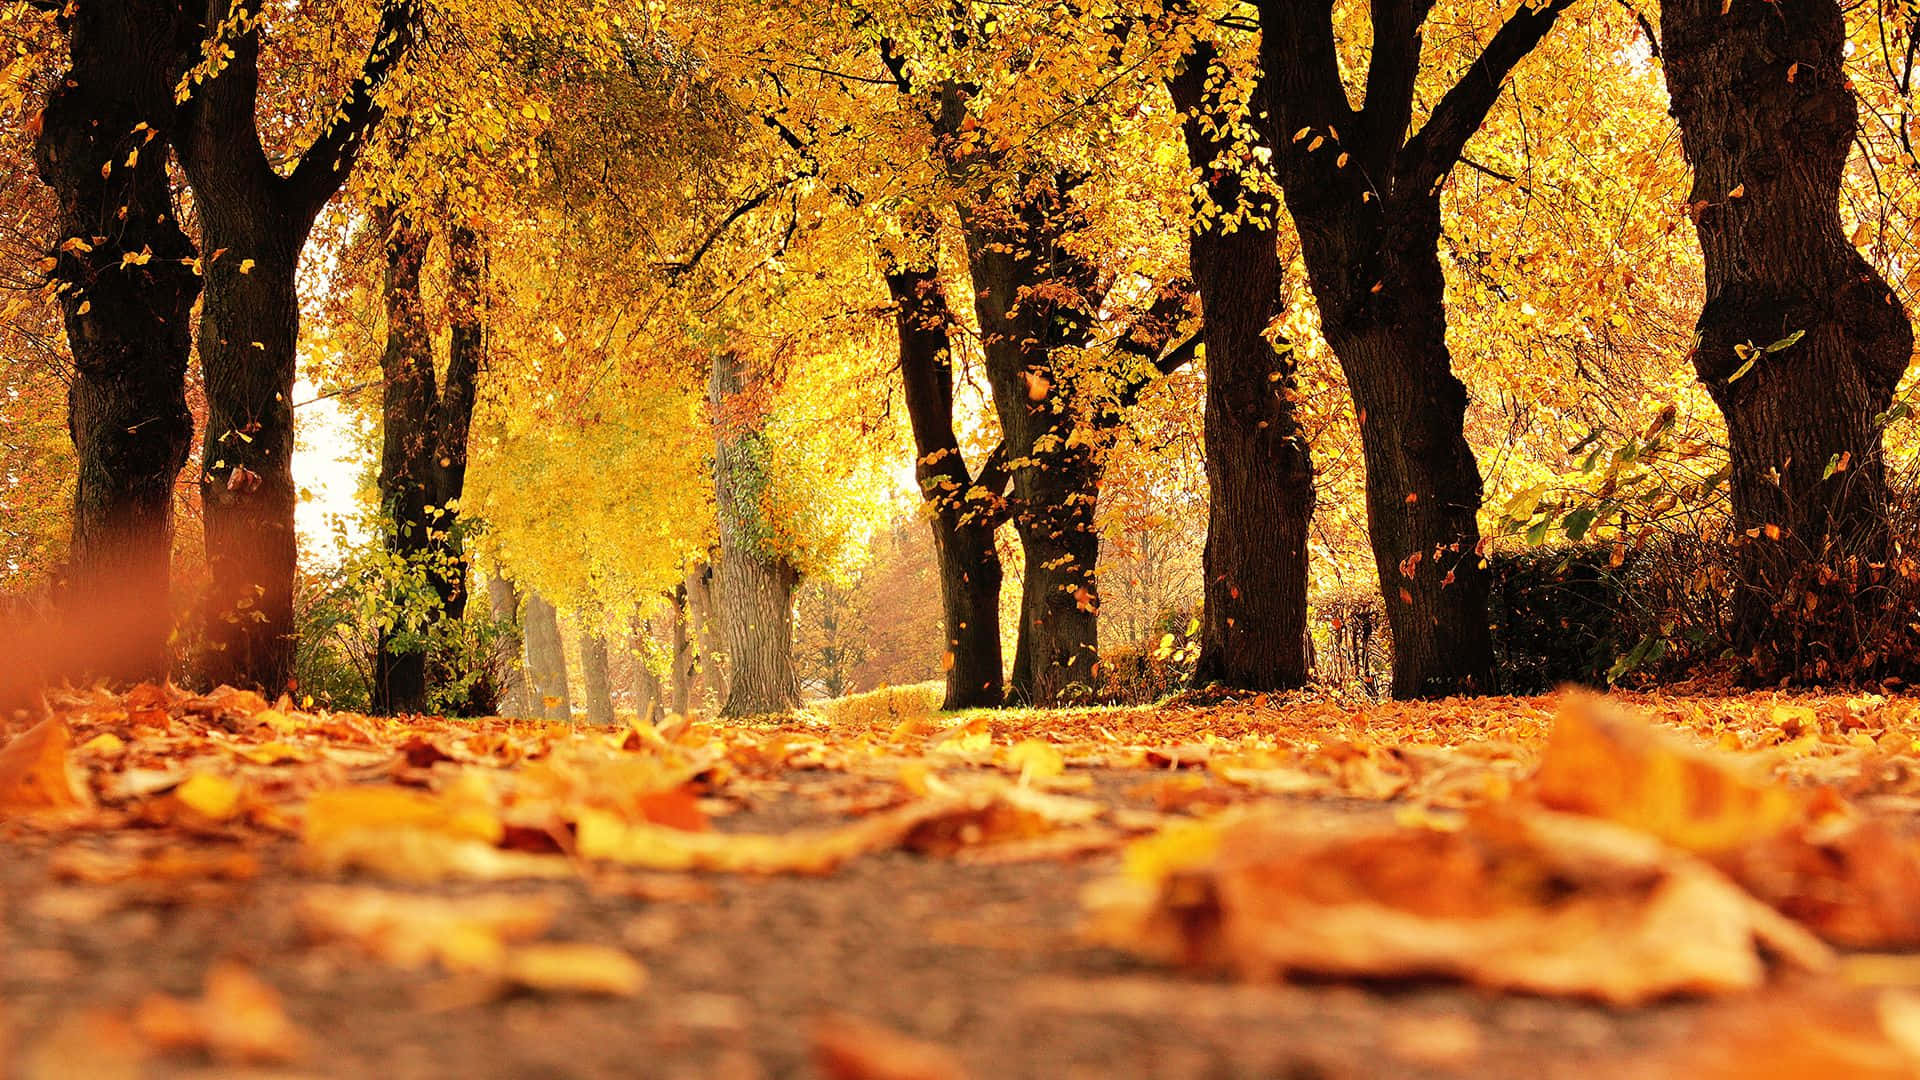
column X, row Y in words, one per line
column 963, row 511
column 123, row 269
column 423, row 457
column 599, row 685
column 755, row 583
column 1034, row 295
column 1013, row 246
column 504, row 599
column 255, row 222
column 1365, row 198
column 1767, row 119
column 547, row 660
column 1259, row 468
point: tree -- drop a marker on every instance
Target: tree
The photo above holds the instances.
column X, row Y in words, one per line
column 1364, row 193
column 126, row 276
column 504, row 600
column 599, row 684
column 1259, row 468
column 255, row 221
column 547, row 660
column 754, row 581
column 1801, row 342
column 424, row 429
column 963, row 509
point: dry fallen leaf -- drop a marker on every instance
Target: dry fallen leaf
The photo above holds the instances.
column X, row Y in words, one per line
column 846, row 1048
column 35, row 773
column 238, row 1018
column 1541, row 902
column 1607, row 765
column 566, row 967
column 410, row 930
column 1855, row 883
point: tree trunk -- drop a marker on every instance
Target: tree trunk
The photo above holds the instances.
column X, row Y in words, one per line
column 407, row 400
column 249, row 328
column 711, row 663
column 1767, row 120
column 682, row 676
column 126, row 289
column 547, row 660
column 1012, row 249
column 255, row 222
column 423, row 459
column 962, row 513
column 646, row 685
column 505, row 601
column 1364, row 196
column 593, row 667
column 755, row 583
column 1259, row 468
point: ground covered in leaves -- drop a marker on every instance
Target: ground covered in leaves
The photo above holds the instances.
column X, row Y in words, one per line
column 1637, row 885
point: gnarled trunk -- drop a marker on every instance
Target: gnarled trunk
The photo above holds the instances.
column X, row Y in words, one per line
column 962, row 513
column 1767, row 120
column 547, row 660
column 126, row 288
column 1259, row 468
column 755, row 583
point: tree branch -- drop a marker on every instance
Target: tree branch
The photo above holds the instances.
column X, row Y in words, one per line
column 1429, row 155
column 1388, row 110
column 325, row 165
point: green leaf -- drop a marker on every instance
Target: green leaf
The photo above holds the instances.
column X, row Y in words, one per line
column 1785, row 342
column 1578, row 523
column 1741, row 370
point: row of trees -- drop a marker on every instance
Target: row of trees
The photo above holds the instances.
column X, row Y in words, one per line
column 634, row 267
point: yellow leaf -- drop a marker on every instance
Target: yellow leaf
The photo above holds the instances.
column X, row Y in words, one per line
column 1036, row 759
column 578, row 968
column 215, row 798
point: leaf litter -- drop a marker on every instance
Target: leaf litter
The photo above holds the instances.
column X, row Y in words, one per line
column 1623, row 849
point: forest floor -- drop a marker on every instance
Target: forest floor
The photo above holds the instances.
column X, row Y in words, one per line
column 1562, row 886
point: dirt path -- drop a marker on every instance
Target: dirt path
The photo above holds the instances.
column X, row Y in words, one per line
column 978, row 959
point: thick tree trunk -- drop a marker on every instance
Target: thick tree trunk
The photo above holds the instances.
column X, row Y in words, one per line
column 599, row 685
column 755, row 583
column 547, row 660
column 1364, row 195
column 126, row 288
column 1259, row 468
column 1767, row 120
column 249, row 327
column 963, row 513
column 255, row 222
column 423, row 459
column 1012, row 249
column 505, row 602
column 682, row 675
